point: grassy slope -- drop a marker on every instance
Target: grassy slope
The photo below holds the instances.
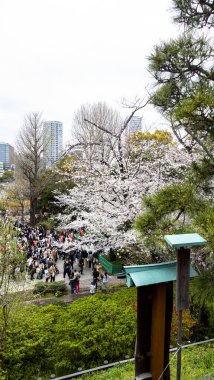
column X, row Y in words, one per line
column 197, row 361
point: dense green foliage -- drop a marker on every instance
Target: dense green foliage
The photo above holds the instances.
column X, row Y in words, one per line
column 182, row 69
column 7, row 176
column 176, row 209
column 183, row 73
column 56, row 180
column 61, row 339
column 194, row 13
column 50, row 287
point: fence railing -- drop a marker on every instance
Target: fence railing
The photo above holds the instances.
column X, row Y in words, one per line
column 109, row 365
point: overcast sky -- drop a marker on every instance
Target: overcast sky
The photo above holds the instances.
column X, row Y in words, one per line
column 56, row 55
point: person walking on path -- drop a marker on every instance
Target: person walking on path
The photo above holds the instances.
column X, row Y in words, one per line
column 67, row 269
column 81, row 264
column 95, row 277
column 104, row 277
column 52, row 272
column 90, row 256
column 100, row 270
column 46, row 273
column 92, row 288
column 77, row 280
column 72, row 283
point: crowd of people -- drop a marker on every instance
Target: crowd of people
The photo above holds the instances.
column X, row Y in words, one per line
column 43, row 249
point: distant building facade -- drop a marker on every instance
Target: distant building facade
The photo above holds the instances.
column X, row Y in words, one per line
column 53, row 141
column 7, row 156
column 134, row 125
column 1, row 169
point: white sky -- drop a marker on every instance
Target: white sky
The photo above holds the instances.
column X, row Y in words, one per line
column 56, row 55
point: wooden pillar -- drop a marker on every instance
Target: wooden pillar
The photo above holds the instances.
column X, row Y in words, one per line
column 154, row 315
column 168, row 322
column 158, row 330
column 162, row 306
column 182, row 278
column 143, row 337
column 182, row 295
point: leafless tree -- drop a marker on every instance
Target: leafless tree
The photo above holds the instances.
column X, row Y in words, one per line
column 30, row 146
column 95, row 142
column 101, row 130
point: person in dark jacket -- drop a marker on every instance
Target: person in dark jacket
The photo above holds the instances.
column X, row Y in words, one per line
column 67, row 269
column 95, row 277
column 72, row 283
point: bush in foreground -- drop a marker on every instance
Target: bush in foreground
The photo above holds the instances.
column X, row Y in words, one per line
column 50, row 287
column 60, row 339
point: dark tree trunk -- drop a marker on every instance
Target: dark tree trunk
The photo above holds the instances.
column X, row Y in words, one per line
column 22, row 211
column 33, row 211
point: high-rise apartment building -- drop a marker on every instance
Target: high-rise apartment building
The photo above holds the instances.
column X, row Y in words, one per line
column 53, row 142
column 7, row 156
column 135, row 125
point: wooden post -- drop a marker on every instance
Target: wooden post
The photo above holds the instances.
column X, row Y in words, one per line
column 182, row 295
column 179, row 344
column 158, row 331
column 154, row 314
column 168, row 321
column 182, row 243
column 182, row 284
column 143, row 337
column 162, row 305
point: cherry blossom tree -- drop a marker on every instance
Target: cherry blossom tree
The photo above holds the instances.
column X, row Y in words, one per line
column 107, row 195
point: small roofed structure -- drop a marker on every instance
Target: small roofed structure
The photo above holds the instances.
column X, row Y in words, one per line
column 142, row 275
column 185, row 240
column 182, row 244
column 154, row 284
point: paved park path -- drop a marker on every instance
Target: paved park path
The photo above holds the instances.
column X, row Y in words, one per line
column 85, row 280
column 86, row 277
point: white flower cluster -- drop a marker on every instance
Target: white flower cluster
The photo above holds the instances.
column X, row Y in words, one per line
column 108, row 194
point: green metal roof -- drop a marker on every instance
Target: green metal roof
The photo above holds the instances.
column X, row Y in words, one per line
column 142, row 275
column 185, row 240
column 146, row 267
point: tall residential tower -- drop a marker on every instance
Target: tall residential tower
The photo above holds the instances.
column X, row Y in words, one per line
column 53, row 142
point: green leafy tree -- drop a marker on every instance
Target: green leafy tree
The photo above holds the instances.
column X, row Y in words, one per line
column 12, row 262
column 58, row 181
column 180, row 208
column 183, row 73
column 175, row 209
column 7, row 176
column 194, row 13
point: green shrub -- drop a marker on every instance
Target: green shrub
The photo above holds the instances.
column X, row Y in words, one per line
column 39, row 288
column 50, row 287
column 61, row 339
column 58, row 293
